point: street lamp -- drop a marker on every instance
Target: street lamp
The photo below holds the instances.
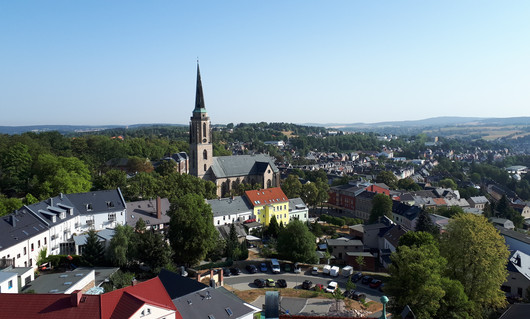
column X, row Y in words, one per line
column 384, row 301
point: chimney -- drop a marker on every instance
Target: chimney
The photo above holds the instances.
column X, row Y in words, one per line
column 75, row 298
column 134, row 282
column 51, row 202
column 13, row 220
column 158, row 208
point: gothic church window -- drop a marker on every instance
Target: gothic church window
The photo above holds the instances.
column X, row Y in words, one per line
column 205, row 154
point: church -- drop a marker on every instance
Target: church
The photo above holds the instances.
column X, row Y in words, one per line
column 226, row 172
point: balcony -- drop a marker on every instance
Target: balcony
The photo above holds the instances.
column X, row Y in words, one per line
column 90, row 223
column 54, row 236
column 77, row 225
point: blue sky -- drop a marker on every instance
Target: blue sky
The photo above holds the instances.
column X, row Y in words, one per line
column 129, row 62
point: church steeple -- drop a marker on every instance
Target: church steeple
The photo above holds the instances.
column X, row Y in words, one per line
column 201, row 148
column 199, row 97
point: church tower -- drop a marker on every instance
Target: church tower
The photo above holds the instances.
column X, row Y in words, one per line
column 201, row 148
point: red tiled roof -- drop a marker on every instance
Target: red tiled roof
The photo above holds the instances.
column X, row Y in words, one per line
column 46, row 306
column 266, row 196
column 122, row 303
column 440, row 201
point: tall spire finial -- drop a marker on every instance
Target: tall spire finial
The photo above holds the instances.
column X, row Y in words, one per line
column 199, row 98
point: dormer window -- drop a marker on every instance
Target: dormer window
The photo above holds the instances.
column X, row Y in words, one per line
column 109, row 204
column 89, row 207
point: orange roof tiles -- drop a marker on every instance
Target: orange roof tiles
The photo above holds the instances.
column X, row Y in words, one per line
column 266, row 196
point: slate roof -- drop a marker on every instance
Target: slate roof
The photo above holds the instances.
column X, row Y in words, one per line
column 344, row 242
column 514, row 234
column 409, row 212
column 228, row 206
column 52, row 208
column 57, row 283
column 393, row 235
column 100, row 201
column 49, row 306
column 296, row 204
column 196, row 300
column 242, row 165
column 146, row 209
column 25, row 226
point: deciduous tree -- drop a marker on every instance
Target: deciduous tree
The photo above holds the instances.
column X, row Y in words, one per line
column 291, row 186
column 381, row 206
column 476, row 256
column 191, row 233
column 296, row 243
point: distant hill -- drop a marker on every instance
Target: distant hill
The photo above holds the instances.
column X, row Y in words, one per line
column 66, row 129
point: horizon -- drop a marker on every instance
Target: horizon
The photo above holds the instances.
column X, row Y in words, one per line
column 119, row 63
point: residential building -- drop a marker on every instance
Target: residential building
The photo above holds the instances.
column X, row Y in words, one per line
column 196, row 300
column 478, row 202
column 298, row 210
column 25, row 275
column 8, row 282
column 152, row 211
column 518, row 279
column 405, row 215
column 503, row 222
column 515, row 240
column 267, row 203
column 235, row 209
column 62, row 283
column 340, row 246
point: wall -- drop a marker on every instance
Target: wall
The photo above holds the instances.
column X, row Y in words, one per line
column 9, row 282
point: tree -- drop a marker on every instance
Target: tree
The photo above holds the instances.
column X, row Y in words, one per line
column 112, row 179
column 388, row 178
column 448, row 183
column 416, row 280
column 122, row 246
column 350, row 285
column 93, row 250
column 417, row 238
column 426, row 224
column 296, row 243
column 381, row 206
column 291, row 186
column 191, row 232
column 232, row 243
column 15, row 167
column 360, row 262
column 9, row 205
column 476, row 256
column 408, row 184
column 273, row 229
column 310, row 194
column 322, row 191
column 155, row 252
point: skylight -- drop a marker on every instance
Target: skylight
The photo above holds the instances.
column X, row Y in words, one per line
column 229, row 311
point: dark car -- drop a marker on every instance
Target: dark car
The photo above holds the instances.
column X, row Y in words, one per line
column 260, row 283
column 263, row 267
column 252, row 269
column 226, row 272
column 356, row 295
column 235, row 271
column 281, row 283
column 381, row 287
column 287, row 267
column 307, row 284
column 366, row 280
column 375, row 283
column 348, row 293
column 356, row 277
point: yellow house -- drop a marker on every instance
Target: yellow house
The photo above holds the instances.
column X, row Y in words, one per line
column 267, row 203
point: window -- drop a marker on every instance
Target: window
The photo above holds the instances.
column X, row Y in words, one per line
column 32, row 248
column 205, row 167
column 18, row 256
column 31, row 262
column 218, row 222
column 205, row 154
column 25, row 251
column 45, row 241
column 89, row 207
column 204, row 130
column 10, row 284
column 109, row 204
column 112, row 217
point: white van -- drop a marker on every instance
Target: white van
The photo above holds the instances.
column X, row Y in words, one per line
column 325, row 270
column 334, row 271
column 275, row 266
column 347, row 271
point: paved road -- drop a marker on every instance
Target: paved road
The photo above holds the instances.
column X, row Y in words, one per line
column 245, row 281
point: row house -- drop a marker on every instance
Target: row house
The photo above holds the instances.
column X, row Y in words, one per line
column 51, row 223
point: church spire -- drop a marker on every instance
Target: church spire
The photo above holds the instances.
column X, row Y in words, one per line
column 199, row 97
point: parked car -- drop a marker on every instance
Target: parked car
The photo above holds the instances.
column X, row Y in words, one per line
column 356, row 295
column 235, row 271
column 263, row 267
column 332, row 286
column 226, row 272
column 252, row 269
column 307, row 284
column 356, row 277
column 270, row 282
column 297, row 268
column 375, row 283
column 314, row 271
column 381, row 287
column 281, row 283
column 260, row 283
column 347, row 293
column 287, row 267
column 319, row 287
column 366, row 280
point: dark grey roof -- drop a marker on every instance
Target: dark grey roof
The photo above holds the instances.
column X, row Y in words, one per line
column 53, row 208
column 178, row 286
column 146, row 209
column 296, row 204
column 224, row 230
column 514, row 234
column 100, row 201
column 516, row 311
column 344, row 242
column 227, row 206
column 18, row 227
column 242, row 165
column 56, row 282
column 409, row 212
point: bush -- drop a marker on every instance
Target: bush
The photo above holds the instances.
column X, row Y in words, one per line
column 221, row 264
